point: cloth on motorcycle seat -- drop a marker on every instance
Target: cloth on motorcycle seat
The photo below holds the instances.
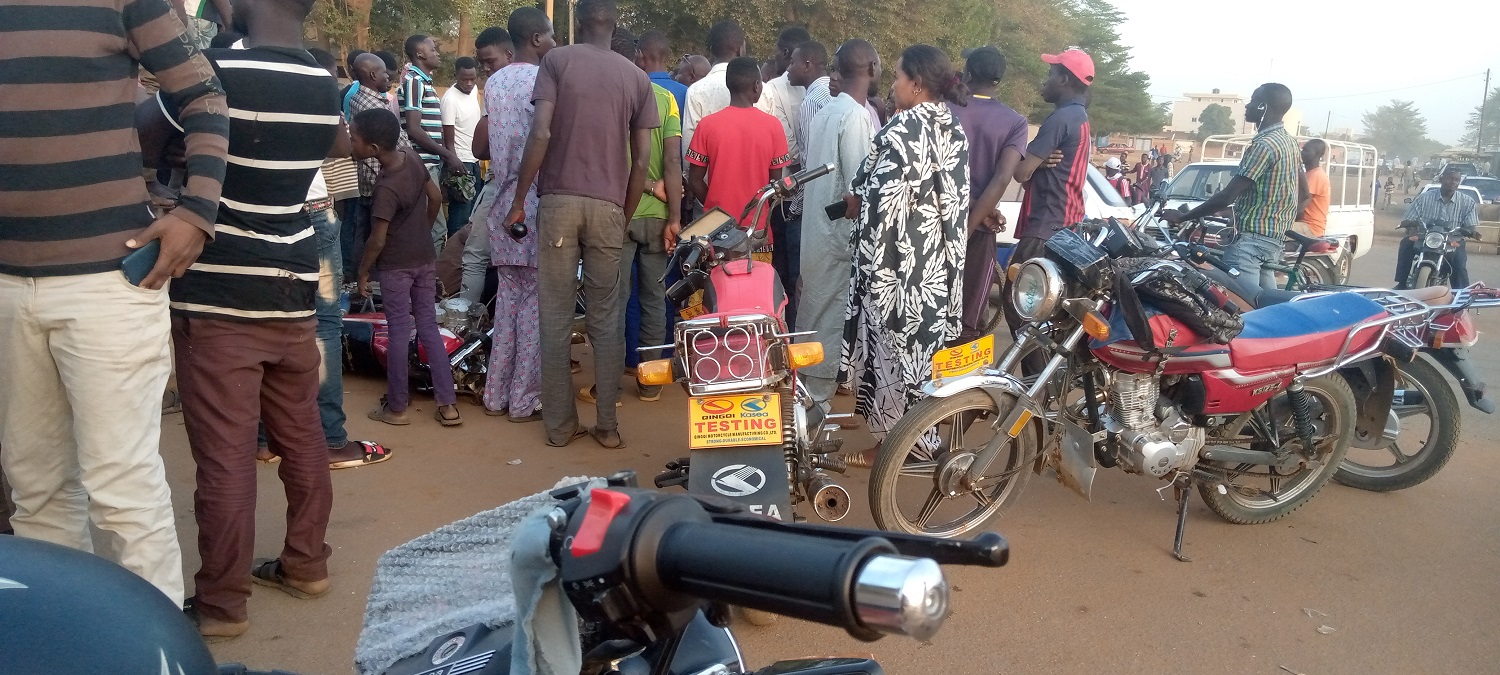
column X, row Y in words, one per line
column 1431, row 295
column 1310, row 331
column 755, row 286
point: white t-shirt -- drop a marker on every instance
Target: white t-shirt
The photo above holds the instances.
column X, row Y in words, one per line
column 462, row 112
column 318, row 190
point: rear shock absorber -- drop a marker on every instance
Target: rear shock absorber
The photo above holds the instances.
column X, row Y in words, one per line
column 1302, row 417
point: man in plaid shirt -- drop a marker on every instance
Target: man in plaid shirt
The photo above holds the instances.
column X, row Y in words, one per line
column 372, row 90
column 1267, row 191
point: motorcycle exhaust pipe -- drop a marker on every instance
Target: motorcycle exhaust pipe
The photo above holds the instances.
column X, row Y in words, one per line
column 829, row 499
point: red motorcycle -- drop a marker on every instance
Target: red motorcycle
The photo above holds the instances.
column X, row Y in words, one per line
column 748, row 429
column 466, row 332
column 1135, row 361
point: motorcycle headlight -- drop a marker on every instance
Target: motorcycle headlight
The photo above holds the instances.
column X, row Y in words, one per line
column 1435, row 240
column 1037, row 290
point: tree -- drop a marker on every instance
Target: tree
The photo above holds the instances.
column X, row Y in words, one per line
column 1118, row 98
column 1399, row 129
column 1491, row 123
column 1215, row 119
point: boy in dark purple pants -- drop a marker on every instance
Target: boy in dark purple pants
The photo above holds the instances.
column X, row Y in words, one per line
column 402, row 209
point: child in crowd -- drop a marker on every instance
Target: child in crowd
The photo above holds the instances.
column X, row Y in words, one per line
column 403, row 207
column 735, row 152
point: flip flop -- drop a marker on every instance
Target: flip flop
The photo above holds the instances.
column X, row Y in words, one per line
column 375, row 453
column 605, row 440
column 446, row 421
column 533, row 417
column 268, row 572
column 578, row 432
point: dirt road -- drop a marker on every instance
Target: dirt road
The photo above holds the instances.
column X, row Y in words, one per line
column 1408, row 581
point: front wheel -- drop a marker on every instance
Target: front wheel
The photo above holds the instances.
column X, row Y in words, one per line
column 919, row 483
column 1249, row 494
column 1423, row 277
column 1426, row 420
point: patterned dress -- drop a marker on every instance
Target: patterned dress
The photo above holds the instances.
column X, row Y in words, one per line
column 906, row 295
column 514, row 381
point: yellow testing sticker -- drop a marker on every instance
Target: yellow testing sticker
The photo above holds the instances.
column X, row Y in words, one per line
column 964, row 359
column 732, row 421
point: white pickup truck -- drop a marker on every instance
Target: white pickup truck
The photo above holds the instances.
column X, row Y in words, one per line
column 1351, row 178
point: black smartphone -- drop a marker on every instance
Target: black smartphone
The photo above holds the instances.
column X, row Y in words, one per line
column 836, row 210
column 140, row 262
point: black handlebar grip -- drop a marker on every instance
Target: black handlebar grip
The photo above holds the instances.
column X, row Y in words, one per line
column 792, row 574
column 810, row 173
column 690, row 260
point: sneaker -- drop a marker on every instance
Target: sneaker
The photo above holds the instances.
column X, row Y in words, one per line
column 383, row 413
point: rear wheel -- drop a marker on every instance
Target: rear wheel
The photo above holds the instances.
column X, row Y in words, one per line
column 918, row 486
column 1249, row 494
column 1427, row 422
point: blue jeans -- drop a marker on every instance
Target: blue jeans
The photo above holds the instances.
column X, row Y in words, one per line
column 459, row 212
column 347, row 211
column 330, row 331
column 1250, row 252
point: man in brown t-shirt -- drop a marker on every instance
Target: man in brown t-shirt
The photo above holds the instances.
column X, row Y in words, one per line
column 590, row 142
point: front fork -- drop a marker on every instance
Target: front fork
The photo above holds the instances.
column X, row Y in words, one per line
column 1015, row 422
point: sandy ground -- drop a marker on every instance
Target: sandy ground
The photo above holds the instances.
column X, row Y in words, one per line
column 1409, row 581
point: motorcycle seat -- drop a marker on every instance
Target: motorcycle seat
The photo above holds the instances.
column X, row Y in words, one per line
column 1431, row 295
column 1312, row 244
column 1306, row 332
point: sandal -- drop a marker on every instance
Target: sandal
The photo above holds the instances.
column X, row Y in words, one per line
column 264, row 455
column 533, row 417
column 374, row 453
column 213, row 631
column 590, row 395
column 608, row 438
column 578, row 432
column 440, row 415
column 171, row 402
column 268, row 572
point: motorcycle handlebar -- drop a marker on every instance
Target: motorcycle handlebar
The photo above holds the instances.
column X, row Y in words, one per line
column 795, row 181
column 862, row 586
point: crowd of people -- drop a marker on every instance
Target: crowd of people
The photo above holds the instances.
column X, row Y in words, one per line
column 271, row 187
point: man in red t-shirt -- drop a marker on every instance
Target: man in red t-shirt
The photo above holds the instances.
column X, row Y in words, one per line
column 738, row 150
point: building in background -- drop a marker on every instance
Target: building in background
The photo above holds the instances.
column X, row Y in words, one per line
column 1187, row 110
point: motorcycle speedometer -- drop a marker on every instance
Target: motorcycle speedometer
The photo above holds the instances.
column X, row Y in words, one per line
column 1037, row 290
column 1435, row 240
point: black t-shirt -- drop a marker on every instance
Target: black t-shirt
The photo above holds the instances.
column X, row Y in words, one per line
column 263, row 261
column 1054, row 197
column 400, row 198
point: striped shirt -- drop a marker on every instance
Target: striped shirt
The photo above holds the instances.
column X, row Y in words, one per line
column 1273, row 161
column 812, row 101
column 71, row 192
column 1460, row 211
column 263, row 265
column 417, row 94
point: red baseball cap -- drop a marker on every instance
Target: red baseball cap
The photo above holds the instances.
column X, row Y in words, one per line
column 1076, row 61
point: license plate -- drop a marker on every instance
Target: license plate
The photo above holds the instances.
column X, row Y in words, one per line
column 733, row 421
column 963, row 359
column 694, row 307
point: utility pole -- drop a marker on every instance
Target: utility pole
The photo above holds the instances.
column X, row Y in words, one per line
column 1327, row 124
column 1483, row 101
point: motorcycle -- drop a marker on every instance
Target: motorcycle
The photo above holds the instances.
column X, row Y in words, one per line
column 651, row 576
column 750, row 432
column 1434, row 241
column 1254, row 417
column 466, row 330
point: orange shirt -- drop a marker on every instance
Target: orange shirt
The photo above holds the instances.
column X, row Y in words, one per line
column 1316, row 215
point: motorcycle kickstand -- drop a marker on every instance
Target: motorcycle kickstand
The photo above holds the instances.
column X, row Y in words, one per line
column 1179, row 487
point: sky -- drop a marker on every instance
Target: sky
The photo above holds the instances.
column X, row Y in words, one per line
column 1337, row 56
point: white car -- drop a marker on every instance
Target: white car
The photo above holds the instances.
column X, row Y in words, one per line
column 1100, row 200
column 1465, row 189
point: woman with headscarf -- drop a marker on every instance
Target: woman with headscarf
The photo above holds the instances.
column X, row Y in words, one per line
column 910, row 202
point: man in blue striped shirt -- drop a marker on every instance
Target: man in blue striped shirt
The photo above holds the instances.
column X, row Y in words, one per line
column 422, row 117
column 1449, row 206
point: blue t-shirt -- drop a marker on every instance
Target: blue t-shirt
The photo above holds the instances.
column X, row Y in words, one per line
column 1054, row 197
column 663, row 79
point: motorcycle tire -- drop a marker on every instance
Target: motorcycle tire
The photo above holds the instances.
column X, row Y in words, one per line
column 896, row 459
column 994, row 310
column 1236, row 505
column 1422, row 278
column 1445, row 423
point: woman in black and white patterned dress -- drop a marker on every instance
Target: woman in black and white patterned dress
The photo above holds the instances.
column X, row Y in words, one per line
column 906, row 296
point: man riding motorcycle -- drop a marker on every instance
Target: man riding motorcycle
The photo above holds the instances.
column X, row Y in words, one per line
column 1446, row 204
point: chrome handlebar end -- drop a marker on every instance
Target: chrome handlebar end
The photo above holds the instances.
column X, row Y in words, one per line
column 901, row 596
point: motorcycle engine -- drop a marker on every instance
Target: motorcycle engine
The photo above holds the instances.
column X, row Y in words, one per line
column 460, row 316
column 1154, row 437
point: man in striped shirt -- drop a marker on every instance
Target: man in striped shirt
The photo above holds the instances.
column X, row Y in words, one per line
column 83, row 349
column 243, row 324
column 422, row 118
column 1447, row 205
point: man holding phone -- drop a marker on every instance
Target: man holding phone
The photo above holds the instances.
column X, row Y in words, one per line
column 83, row 350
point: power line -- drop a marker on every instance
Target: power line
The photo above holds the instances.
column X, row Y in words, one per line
column 1387, row 91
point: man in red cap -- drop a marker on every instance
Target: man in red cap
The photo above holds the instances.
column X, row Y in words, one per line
column 1054, row 193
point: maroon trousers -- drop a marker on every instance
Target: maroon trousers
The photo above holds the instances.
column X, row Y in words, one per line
column 233, row 375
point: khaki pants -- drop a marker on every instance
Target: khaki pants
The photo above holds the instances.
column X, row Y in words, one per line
column 83, row 362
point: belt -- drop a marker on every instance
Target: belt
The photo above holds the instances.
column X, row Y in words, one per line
column 319, row 205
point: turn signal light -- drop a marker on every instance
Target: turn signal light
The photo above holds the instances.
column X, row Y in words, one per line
column 655, row 373
column 804, row 354
column 1096, row 326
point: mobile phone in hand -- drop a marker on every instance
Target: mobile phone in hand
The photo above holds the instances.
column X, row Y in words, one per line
column 836, row 210
column 140, row 262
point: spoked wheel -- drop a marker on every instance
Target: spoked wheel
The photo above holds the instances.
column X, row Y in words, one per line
column 1253, row 494
column 1419, row 438
column 919, row 483
column 1309, row 273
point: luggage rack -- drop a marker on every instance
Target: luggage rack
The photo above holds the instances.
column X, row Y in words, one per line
column 1405, row 320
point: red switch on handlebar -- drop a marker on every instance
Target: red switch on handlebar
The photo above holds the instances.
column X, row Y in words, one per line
column 604, row 505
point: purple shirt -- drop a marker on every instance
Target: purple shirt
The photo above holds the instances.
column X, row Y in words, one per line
column 991, row 127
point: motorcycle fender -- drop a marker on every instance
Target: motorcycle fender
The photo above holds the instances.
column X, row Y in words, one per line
column 1456, row 361
column 994, row 383
column 1373, row 398
column 755, row 476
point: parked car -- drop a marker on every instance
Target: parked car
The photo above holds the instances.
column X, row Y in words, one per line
column 1465, row 188
column 1489, row 188
column 1464, row 168
column 1100, row 200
